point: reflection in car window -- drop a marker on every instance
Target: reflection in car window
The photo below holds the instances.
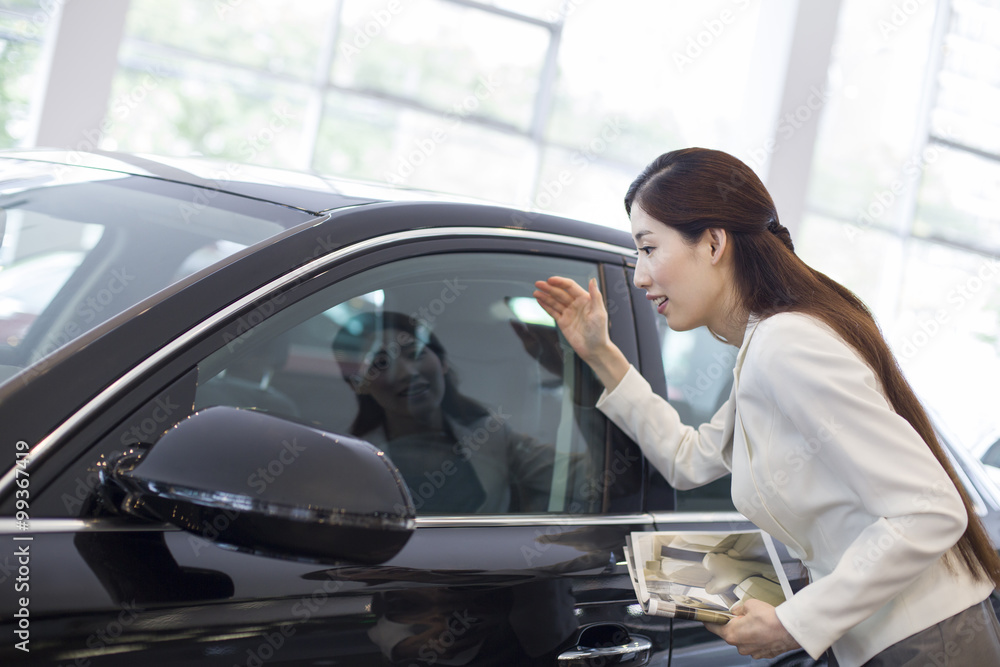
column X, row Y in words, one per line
column 77, row 247
column 448, row 365
column 699, row 373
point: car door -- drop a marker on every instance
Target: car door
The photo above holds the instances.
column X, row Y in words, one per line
column 524, row 492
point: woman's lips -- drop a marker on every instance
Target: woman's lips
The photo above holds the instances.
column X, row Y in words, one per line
column 415, row 389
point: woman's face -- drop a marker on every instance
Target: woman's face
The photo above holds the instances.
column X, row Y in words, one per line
column 682, row 280
column 405, row 376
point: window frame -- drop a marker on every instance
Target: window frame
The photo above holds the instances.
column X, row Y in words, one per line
column 109, row 419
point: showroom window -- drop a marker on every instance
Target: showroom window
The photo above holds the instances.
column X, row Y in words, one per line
column 23, row 28
column 912, row 227
column 431, row 94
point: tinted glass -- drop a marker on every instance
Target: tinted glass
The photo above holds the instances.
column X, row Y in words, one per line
column 81, row 245
column 448, row 364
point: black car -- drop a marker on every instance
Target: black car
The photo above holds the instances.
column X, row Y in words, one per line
column 252, row 417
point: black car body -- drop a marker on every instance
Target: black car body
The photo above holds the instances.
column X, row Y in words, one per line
column 192, row 329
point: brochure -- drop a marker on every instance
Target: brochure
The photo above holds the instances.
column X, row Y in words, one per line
column 701, row 576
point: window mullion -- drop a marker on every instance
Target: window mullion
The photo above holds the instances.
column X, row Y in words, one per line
column 892, row 286
column 321, row 79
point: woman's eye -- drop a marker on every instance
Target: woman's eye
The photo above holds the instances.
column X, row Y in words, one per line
column 646, row 250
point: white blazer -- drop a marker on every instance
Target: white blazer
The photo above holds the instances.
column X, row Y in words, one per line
column 822, row 463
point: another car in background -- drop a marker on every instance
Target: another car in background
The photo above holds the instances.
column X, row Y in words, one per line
column 989, row 453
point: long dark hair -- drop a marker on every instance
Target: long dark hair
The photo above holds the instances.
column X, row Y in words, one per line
column 352, row 342
column 695, row 189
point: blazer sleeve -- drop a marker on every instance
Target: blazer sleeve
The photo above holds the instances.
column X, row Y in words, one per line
column 818, row 382
column 687, row 457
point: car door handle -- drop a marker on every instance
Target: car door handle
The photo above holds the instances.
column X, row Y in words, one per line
column 634, row 652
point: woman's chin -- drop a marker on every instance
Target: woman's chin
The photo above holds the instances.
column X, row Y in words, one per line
column 678, row 324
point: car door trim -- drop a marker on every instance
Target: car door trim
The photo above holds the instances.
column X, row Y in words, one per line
column 732, row 520
column 49, row 442
column 483, row 520
column 9, row 526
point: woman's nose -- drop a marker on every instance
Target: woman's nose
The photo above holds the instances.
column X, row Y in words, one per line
column 405, row 365
column 641, row 277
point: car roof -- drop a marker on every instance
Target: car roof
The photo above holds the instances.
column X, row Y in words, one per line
column 309, row 192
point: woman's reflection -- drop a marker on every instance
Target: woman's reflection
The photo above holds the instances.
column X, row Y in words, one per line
column 456, row 455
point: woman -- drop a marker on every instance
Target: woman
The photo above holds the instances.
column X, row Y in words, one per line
column 455, row 455
column 829, row 449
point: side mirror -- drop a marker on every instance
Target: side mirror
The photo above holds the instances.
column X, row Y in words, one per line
column 261, row 484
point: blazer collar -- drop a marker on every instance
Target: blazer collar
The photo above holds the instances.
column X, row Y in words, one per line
column 741, row 355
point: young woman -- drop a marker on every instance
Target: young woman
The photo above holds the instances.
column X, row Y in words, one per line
column 829, row 449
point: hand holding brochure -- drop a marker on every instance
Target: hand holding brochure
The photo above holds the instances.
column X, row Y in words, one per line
column 701, row 576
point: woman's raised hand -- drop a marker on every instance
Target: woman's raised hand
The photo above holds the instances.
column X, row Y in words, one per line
column 583, row 320
column 579, row 313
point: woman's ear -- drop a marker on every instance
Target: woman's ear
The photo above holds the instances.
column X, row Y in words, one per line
column 718, row 242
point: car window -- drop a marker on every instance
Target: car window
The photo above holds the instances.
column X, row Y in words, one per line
column 448, row 364
column 699, row 374
column 77, row 247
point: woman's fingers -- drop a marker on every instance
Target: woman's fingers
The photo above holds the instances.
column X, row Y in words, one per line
column 548, row 302
column 595, row 294
column 565, row 289
column 547, row 305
